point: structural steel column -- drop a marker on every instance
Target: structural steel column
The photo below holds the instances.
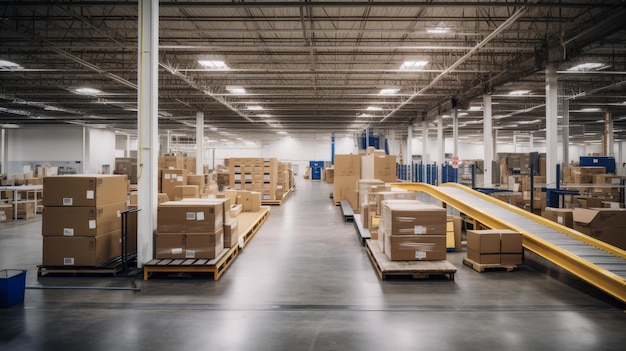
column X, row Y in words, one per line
column 487, row 141
column 409, row 146
column 127, row 150
column 565, row 132
column 441, row 153
column 4, row 155
column 551, row 124
column 455, row 132
column 148, row 125
column 199, row 142
column 86, row 152
column 531, row 141
column 607, row 138
column 425, row 156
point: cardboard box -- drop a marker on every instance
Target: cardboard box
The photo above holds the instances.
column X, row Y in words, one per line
column 255, row 201
column 189, row 245
column 510, row 242
column 231, row 194
column 26, row 210
column 231, row 233
column 84, row 190
column 81, row 251
column 347, row 173
column 329, row 175
column 563, row 216
column 511, row 259
column 605, row 224
column 6, row 213
column 82, row 221
column 186, row 192
column 589, row 202
column 413, row 218
column 225, row 202
column 196, row 179
column 484, row 241
column 379, row 167
column 490, row 258
column 393, row 195
column 235, row 210
column 170, row 179
column 415, row 247
column 190, row 217
column 244, row 198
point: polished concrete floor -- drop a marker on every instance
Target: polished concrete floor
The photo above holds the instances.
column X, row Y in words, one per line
column 304, row 282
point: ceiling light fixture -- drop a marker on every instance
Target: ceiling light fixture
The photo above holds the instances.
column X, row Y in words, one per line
column 388, row 91
column 255, row 108
column 463, row 114
column 589, row 66
column 213, row 64
column 413, row 65
column 475, row 108
column 88, row 91
column 264, row 115
column 374, row 108
column 4, row 64
column 236, row 90
column 589, row 109
column 519, row 92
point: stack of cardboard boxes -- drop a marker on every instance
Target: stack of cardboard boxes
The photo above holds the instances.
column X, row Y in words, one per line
column 255, row 174
column 496, row 247
column 284, row 179
column 347, row 174
column 412, row 231
column 191, row 229
column 375, row 200
column 242, row 200
column 81, row 224
column 605, row 224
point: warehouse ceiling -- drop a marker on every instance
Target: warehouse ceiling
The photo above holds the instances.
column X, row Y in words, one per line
column 310, row 67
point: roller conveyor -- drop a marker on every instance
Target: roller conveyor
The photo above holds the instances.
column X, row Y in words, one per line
column 596, row 262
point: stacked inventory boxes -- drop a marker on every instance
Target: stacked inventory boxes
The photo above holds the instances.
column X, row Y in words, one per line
column 365, row 186
column 375, row 206
column 605, row 224
column 412, row 231
column 191, row 229
column 283, row 183
column 255, row 174
column 347, row 174
column 81, row 224
column 382, row 167
column 172, row 178
column 497, row 247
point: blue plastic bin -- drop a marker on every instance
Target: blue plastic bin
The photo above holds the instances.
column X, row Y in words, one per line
column 12, row 286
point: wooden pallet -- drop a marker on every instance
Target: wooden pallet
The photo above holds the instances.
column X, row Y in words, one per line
column 481, row 267
column 111, row 267
column 277, row 202
column 249, row 222
column 413, row 269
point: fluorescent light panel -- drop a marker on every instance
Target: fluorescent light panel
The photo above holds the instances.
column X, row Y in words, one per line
column 236, row 90
column 414, row 65
column 8, row 64
column 388, row 91
column 374, row 108
column 213, row 64
column 589, row 66
column 88, row 91
column 255, row 108
column 519, row 92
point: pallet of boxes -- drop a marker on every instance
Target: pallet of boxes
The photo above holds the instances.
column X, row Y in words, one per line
column 493, row 248
column 411, row 241
column 81, row 225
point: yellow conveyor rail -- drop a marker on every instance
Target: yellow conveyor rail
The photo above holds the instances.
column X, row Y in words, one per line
column 475, row 205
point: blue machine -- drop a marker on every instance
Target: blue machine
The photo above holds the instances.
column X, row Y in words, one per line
column 316, row 169
column 608, row 162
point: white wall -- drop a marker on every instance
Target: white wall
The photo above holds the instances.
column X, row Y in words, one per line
column 49, row 143
column 101, row 151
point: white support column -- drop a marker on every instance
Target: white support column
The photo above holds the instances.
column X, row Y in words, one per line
column 425, row 155
column 199, row 142
column 4, row 152
column 409, row 146
column 551, row 124
column 531, row 141
column 148, row 83
column 127, row 148
column 487, row 141
column 455, row 132
column 608, row 134
column 514, row 141
column 441, row 152
column 168, row 145
column 86, row 152
column 565, row 132
column 620, row 158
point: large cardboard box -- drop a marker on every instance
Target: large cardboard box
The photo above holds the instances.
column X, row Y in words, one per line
column 393, row 195
column 189, row 245
column 255, row 201
column 379, row 167
column 26, row 210
column 563, row 216
column 170, row 179
column 363, row 188
column 231, row 233
column 511, row 259
column 347, row 173
column 244, row 198
column 82, row 221
column 190, row 217
column 413, row 218
column 81, row 251
column 6, row 213
column 490, row 258
column 415, row 247
column 510, row 242
column 84, row 190
column 186, row 192
column 231, row 194
column 329, row 175
column 605, row 224
column 484, row 241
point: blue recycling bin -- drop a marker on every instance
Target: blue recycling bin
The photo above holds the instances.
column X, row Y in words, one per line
column 12, row 286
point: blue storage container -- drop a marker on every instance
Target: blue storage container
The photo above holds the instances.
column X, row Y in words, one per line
column 608, row 162
column 316, row 164
column 12, row 286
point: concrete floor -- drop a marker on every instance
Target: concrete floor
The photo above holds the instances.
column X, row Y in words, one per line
column 303, row 283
